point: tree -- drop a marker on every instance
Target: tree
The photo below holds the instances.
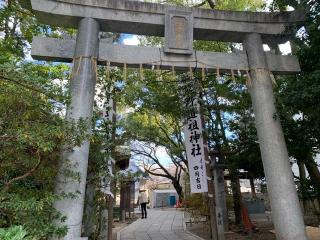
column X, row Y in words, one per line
column 32, row 129
column 154, row 166
column 32, row 133
column 298, row 96
column 155, row 122
column 231, row 130
column 168, row 105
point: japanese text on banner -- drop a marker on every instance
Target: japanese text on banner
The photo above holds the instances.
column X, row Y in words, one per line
column 194, row 146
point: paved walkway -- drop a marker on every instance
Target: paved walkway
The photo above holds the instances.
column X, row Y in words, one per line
column 160, row 225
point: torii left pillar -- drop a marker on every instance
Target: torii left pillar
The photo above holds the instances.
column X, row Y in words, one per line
column 81, row 107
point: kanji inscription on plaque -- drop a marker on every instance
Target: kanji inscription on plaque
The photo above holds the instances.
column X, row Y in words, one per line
column 178, row 32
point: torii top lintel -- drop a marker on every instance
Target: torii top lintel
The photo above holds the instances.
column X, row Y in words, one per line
column 149, row 19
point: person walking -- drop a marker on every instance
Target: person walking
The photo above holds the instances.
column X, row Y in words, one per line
column 143, row 200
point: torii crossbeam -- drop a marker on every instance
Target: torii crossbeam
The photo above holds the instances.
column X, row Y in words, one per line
column 148, row 19
column 180, row 26
column 63, row 50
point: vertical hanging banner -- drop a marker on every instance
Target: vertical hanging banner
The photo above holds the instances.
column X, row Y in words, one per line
column 193, row 134
column 108, row 115
column 108, row 111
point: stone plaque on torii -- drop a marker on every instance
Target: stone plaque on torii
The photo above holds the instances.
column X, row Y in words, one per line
column 181, row 26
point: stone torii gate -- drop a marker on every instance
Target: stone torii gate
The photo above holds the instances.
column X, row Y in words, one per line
column 180, row 26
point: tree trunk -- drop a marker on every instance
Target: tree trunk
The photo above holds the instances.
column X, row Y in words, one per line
column 302, row 170
column 253, row 189
column 178, row 188
column 235, row 182
column 175, row 182
column 236, row 193
column 314, row 173
column 302, row 174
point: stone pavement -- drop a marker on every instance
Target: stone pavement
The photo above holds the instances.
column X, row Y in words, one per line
column 160, row 225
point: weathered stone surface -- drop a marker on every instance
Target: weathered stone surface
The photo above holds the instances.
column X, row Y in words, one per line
column 286, row 211
column 61, row 50
column 148, row 19
column 82, row 90
column 178, row 32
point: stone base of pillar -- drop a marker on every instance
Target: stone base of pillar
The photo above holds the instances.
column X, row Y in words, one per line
column 104, row 228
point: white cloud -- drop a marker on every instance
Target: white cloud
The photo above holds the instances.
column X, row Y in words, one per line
column 285, row 48
column 132, row 40
column 266, row 47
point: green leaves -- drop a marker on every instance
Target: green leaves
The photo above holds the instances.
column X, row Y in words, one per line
column 33, row 99
column 298, row 97
column 239, row 5
column 14, row 233
column 35, row 213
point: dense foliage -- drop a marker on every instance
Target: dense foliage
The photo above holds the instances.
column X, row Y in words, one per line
column 157, row 113
column 34, row 96
column 298, row 98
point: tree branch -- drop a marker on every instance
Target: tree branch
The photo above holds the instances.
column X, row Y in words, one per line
column 29, row 87
column 158, row 174
column 211, row 4
column 154, row 158
column 27, row 174
column 165, row 132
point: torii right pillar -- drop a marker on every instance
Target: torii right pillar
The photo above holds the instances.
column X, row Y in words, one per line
column 286, row 211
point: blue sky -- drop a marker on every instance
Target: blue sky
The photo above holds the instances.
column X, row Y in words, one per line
column 129, row 39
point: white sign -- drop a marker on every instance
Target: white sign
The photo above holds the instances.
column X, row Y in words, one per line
column 108, row 110
column 108, row 113
column 195, row 149
column 105, row 181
